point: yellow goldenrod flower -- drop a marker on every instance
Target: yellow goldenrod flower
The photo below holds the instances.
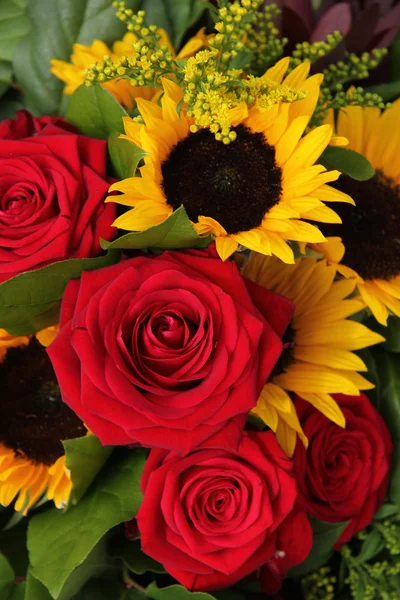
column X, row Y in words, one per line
column 318, row 358
column 73, row 73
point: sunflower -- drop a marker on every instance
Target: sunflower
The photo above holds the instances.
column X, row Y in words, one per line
column 73, row 73
column 34, row 421
column 252, row 192
column 318, row 358
column 366, row 246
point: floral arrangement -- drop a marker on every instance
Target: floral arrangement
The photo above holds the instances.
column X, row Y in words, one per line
column 199, row 300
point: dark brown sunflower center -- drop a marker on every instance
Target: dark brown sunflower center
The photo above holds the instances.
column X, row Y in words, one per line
column 370, row 230
column 33, row 418
column 287, row 356
column 235, row 184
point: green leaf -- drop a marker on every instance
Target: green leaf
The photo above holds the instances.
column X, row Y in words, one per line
column 66, row 22
column 387, row 91
column 85, row 457
column 59, row 543
column 174, row 233
column 175, row 592
column 391, row 333
column 95, row 112
column 371, row 546
column 10, row 103
column 6, row 578
column 13, row 547
column 14, row 25
column 31, row 301
column 389, row 408
column 347, row 162
column 125, row 155
column 35, row 590
column 108, row 590
column 130, row 552
column 385, row 511
column 175, row 16
column 325, row 536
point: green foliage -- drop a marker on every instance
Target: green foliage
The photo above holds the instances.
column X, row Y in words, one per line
column 387, row 91
column 175, row 592
column 125, row 155
column 66, row 22
column 8, row 589
column 175, row 16
column 14, row 25
column 31, row 301
column 176, row 232
column 65, row 549
column 324, row 537
column 85, row 457
column 13, row 547
column 108, row 590
column 315, row 51
column 389, row 407
column 132, row 556
column 95, row 112
column 347, row 162
column 35, row 590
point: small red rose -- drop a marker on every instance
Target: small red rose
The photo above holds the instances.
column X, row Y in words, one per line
column 53, row 184
column 167, row 351
column 215, row 516
column 343, row 475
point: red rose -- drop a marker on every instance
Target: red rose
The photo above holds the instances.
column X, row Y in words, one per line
column 52, row 190
column 214, row 516
column 343, row 475
column 293, row 542
column 167, row 351
column 26, row 125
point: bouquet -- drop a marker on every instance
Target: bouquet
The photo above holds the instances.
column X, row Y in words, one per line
column 199, row 300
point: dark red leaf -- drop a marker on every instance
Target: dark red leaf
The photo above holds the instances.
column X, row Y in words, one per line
column 336, row 17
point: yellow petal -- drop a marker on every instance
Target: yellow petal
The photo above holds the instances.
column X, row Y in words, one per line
column 286, row 437
column 290, row 139
column 327, row 406
column 376, row 306
column 298, row 75
column 280, row 248
column 255, row 239
column 330, row 194
column 144, row 215
column 277, row 72
column 323, row 214
column 225, row 246
column 334, row 358
column 308, row 150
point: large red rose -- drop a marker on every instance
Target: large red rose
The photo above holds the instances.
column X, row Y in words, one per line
column 343, row 476
column 26, row 125
column 167, row 351
column 52, row 190
column 214, row 516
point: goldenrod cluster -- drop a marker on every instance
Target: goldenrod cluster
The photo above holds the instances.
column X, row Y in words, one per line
column 148, row 61
column 313, row 52
column 319, row 585
column 333, row 94
column 211, row 95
